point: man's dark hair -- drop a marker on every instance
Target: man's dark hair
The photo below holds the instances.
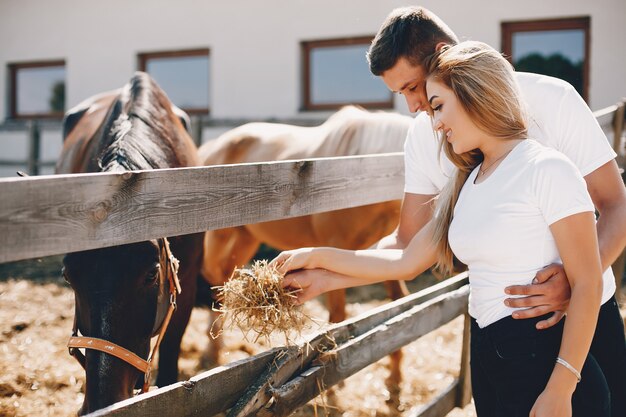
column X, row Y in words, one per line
column 411, row 32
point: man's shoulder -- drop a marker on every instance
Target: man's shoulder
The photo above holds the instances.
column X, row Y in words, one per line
column 539, row 157
column 529, row 80
column 537, row 88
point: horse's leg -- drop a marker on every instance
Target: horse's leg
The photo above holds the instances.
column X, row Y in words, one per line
column 336, row 306
column 224, row 250
column 395, row 291
column 188, row 250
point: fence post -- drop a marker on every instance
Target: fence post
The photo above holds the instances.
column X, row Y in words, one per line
column 618, row 129
column 196, row 129
column 464, row 390
column 34, row 136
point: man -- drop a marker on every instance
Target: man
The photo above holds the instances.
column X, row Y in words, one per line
column 559, row 118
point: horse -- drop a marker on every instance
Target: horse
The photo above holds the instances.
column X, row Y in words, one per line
column 126, row 294
column 350, row 131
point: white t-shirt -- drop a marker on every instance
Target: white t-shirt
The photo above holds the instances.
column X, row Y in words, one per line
column 501, row 228
column 558, row 118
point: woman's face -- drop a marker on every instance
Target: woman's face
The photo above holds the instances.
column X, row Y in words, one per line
column 450, row 117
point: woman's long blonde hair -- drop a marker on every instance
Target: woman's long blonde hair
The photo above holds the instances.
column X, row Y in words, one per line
column 484, row 83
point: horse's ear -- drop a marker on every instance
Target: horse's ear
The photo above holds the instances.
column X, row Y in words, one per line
column 183, row 117
column 71, row 118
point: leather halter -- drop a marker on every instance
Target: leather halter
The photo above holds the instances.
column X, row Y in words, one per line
column 127, row 356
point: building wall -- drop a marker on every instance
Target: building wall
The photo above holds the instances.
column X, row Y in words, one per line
column 254, row 45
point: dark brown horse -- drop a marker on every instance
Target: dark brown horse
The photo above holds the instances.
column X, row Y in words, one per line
column 123, row 293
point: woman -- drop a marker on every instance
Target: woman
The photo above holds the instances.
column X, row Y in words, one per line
column 513, row 207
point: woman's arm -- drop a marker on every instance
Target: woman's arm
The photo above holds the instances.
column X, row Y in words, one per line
column 577, row 242
column 365, row 266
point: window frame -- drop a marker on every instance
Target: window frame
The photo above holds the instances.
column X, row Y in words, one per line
column 554, row 24
column 144, row 57
column 14, row 68
column 306, row 47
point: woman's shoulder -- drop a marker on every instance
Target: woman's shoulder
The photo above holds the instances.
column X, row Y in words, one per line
column 543, row 159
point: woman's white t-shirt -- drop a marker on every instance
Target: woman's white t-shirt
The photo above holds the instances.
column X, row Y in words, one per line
column 500, row 228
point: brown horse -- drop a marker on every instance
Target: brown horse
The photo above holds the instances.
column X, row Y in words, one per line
column 123, row 294
column 351, row 131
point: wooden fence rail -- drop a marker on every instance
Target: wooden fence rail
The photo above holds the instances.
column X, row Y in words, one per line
column 50, row 215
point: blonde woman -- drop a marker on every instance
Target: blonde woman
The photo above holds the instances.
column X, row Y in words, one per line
column 513, row 207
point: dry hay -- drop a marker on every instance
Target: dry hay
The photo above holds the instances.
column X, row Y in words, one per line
column 37, row 375
column 254, row 300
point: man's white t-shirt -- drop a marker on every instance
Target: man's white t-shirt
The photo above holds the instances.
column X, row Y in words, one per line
column 501, row 227
column 558, row 118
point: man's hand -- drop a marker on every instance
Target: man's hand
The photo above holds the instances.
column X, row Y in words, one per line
column 549, row 292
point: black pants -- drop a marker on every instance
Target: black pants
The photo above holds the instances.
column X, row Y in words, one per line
column 511, row 362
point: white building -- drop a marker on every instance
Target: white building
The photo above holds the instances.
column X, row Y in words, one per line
column 246, row 59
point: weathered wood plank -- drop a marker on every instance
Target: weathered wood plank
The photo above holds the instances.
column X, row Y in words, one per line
column 284, row 368
column 441, row 404
column 49, row 215
column 464, row 389
column 369, row 319
column 366, row 349
column 206, row 394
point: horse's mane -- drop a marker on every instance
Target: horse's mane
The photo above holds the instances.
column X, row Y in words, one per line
column 139, row 130
column 377, row 132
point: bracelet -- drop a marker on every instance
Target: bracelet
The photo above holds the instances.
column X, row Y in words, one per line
column 569, row 367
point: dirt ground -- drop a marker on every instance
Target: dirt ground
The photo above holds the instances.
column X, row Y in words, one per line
column 39, row 378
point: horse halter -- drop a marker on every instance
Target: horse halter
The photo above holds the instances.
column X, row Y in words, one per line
column 119, row 352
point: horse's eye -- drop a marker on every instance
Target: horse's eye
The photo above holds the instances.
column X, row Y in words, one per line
column 153, row 274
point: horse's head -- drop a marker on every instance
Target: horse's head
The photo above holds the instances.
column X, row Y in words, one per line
column 125, row 293
column 122, row 297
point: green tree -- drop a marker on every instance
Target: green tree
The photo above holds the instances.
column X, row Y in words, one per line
column 57, row 100
column 555, row 65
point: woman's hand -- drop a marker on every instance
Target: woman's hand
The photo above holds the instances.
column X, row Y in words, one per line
column 291, row 260
column 552, row 404
column 308, row 283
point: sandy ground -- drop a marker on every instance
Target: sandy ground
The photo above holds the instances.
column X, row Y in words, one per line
column 39, row 378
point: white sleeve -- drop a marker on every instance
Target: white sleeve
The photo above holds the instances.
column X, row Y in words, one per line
column 423, row 173
column 580, row 136
column 559, row 188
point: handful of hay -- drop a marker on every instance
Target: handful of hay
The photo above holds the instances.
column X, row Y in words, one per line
column 254, row 300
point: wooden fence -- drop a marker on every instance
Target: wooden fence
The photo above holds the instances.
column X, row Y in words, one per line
column 49, row 215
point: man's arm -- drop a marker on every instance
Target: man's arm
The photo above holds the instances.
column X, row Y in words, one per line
column 552, row 292
column 609, row 196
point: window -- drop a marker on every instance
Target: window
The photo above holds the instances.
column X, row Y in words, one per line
column 558, row 47
column 336, row 73
column 37, row 89
column 183, row 75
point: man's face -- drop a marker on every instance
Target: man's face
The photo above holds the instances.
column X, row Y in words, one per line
column 410, row 81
